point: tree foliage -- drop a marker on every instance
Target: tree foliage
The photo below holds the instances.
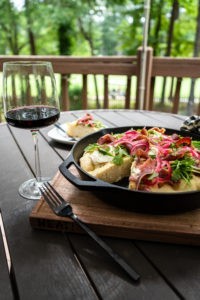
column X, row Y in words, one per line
column 96, row 27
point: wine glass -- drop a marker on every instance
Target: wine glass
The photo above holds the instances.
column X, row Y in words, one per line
column 30, row 102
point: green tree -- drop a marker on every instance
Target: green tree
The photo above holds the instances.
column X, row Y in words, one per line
column 195, row 54
column 9, row 28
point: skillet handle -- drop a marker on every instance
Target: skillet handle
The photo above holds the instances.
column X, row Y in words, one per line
column 92, row 184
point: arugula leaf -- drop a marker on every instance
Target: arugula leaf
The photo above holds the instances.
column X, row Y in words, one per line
column 99, row 124
column 105, row 151
column 119, row 154
column 91, row 147
column 182, row 169
column 196, row 144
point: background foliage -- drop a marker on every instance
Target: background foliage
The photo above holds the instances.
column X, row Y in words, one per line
column 103, row 27
column 96, row 27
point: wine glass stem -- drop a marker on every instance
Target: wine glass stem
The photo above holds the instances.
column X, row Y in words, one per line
column 37, row 156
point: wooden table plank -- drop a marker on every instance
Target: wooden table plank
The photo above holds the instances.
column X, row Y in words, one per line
column 180, row 265
column 112, row 283
column 5, row 284
column 31, row 246
column 43, row 263
column 40, row 257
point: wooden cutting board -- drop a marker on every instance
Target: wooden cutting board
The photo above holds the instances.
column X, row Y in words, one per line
column 107, row 220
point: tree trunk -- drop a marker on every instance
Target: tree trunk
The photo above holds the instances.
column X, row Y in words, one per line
column 157, row 28
column 190, row 106
column 174, row 17
column 90, row 42
column 13, row 34
column 31, row 37
column 64, row 38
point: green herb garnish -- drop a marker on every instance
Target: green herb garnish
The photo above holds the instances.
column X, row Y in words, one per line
column 182, row 169
column 196, row 144
column 119, row 154
column 91, row 147
column 116, row 152
column 105, row 151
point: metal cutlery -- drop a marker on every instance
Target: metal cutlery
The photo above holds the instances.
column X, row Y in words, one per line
column 62, row 208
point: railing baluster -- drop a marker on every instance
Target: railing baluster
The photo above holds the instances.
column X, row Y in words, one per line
column 128, row 92
column 105, row 105
column 177, row 96
column 65, row 102
column 151, row 95
column 84, row 92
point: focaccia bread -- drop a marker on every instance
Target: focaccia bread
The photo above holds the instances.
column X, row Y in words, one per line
column 105, row 170
column 152, row 160
column 83, row 126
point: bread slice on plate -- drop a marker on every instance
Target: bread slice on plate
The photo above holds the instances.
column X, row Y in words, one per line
column 83, row 126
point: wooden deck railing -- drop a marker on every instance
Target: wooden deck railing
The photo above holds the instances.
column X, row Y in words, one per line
column 128, row 66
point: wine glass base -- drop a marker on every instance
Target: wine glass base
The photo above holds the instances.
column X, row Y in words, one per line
column 30, row 188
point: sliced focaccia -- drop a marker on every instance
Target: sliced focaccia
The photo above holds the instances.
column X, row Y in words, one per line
column 101, row 166
column 83, row 126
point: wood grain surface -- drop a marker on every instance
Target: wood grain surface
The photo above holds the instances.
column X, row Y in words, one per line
column 55, row 265
column 108, row 220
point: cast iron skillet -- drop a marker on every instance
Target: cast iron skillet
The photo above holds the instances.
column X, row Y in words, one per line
column 118, row 194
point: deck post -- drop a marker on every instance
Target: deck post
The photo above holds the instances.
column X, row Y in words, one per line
column 144, row 89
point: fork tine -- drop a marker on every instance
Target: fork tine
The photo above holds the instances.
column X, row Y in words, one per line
column 51, row 195
column 47, row 197
column 56, row 198
column 51, row 189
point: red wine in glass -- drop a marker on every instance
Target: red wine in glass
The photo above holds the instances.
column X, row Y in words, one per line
column 32, row 117
column 30, row 102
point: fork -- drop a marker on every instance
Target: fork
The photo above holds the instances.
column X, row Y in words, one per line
column 62, row 208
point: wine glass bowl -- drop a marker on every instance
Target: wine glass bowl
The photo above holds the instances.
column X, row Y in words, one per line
column 31, row 102
column 30, row 96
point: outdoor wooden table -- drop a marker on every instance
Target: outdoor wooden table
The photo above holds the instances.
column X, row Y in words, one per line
column 58, row 265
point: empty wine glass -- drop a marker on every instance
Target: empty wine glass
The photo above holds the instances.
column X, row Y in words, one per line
column 30, row 102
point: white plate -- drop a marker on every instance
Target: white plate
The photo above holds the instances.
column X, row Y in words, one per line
column 59, row 136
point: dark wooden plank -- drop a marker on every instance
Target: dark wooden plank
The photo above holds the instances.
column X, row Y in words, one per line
column 168, row 66
column 107, row 279
column 30, row 250
column 5, row 284
column 49, row 160
column 43, row 263
column 180, row 265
